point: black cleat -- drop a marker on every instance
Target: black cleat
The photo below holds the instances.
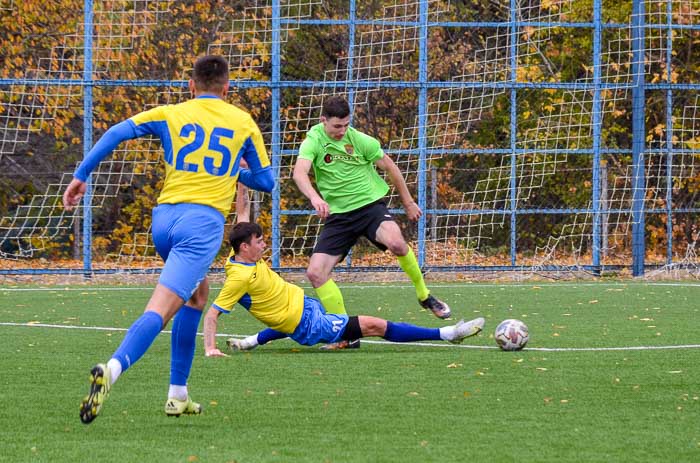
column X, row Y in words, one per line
column 439, row 308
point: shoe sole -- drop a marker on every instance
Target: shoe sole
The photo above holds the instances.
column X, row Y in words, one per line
column 444, row 316
column 91, row 405
column 178, row 415
column 171, row 415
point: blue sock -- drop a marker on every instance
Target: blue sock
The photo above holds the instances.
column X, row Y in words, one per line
column 138, row 339
column 183, row 342
column 404, row 332
column 268, row 334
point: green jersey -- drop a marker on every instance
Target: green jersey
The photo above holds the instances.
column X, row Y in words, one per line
column 344, row 169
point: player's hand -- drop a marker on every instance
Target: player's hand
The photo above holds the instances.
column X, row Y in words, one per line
column 413, row 211
column 214, row 353
column 321, row 207
column 73, row 194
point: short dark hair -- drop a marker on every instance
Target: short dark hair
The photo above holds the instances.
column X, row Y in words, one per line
column 335, row 106
column 210, row 73
column 243, row 232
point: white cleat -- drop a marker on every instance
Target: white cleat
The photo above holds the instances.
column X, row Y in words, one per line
column 464, row 329
column 240, row 344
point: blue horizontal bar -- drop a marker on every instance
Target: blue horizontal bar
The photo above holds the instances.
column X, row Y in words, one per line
column 477, row 24
column 686, row 210
column 361, row 269
column 507, row 151
column 354, row 84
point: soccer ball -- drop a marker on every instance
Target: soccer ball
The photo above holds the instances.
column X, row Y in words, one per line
column 511, row 334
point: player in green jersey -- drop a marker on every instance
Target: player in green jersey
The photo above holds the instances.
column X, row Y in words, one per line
column 350, row 199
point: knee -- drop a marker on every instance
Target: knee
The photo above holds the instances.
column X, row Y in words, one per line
column 372, row 326
column 197, row 302
column 199, row 298
column 397, row 247
column 316, row 276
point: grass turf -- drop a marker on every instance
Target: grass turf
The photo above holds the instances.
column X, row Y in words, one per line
column 284, row 402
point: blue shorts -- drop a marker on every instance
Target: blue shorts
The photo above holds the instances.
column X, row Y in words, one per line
column 187, row 237
column 318, row 326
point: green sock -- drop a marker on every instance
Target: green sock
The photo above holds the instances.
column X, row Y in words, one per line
column 330, row 296
column 410, row 266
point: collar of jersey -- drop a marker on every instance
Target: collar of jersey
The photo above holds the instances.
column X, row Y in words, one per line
column 208, row 97
column 242, row 263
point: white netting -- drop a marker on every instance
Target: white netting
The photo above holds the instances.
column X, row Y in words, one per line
column 380, row 52
column 247, row 41
column 476, row 169
column 28, row 109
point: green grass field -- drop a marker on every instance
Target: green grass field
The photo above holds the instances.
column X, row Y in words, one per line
column 611, row 375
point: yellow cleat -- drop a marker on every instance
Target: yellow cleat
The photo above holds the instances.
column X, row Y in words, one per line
column 100, row 385
column 175, row 407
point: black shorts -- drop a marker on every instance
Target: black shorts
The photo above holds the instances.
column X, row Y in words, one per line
column 341, row 231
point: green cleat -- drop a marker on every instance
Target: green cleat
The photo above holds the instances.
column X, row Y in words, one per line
column 175, row 407
column 100, row 385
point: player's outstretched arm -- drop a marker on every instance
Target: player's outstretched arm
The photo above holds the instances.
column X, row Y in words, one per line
column 211, row 321
column 104, row 146
column 396, row 178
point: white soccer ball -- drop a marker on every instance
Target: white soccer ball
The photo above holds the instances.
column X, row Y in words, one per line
column 511, row 334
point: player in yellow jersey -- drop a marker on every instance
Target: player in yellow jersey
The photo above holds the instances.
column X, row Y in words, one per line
column 204, row 141
column 283, row 306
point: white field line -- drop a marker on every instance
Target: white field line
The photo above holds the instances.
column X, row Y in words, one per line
column 368, row 341
column 547, row 285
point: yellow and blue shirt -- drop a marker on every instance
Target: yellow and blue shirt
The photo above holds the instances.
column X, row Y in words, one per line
column 275, row 302
column 203, row 142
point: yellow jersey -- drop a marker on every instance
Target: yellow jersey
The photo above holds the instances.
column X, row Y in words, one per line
column 270, row 299
column 203, row 141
